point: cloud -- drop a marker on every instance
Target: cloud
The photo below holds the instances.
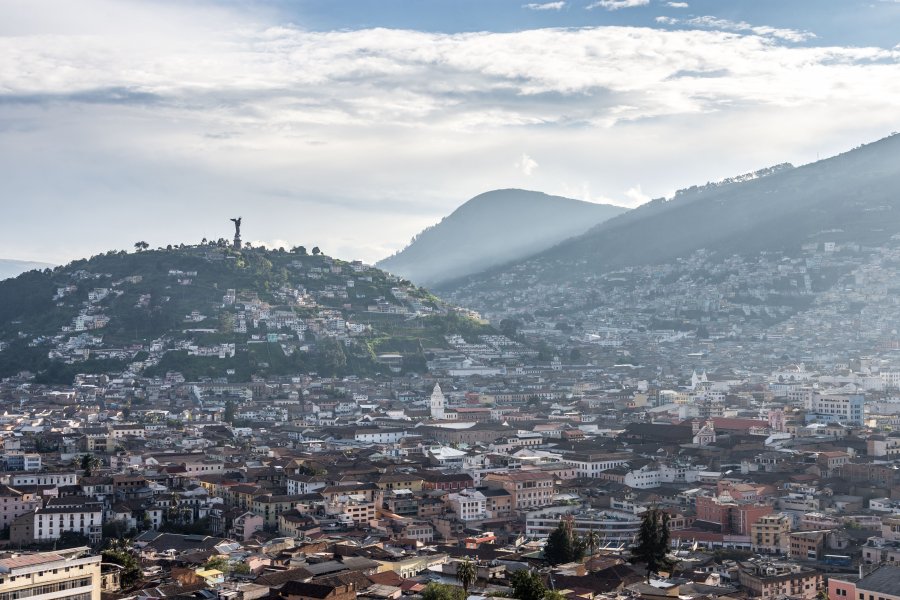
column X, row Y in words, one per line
column 617, row 4
column 636, row 196
column 545, row 6
column 710, row 22
column 677, row 4
column 172, row 119
column 526, row 165
column 272, row 244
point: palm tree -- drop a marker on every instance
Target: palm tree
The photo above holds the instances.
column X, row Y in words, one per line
column 88, row 463
column 592, row 539
column 466, row 574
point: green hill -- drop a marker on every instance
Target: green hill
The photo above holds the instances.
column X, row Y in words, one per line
column 211, row 311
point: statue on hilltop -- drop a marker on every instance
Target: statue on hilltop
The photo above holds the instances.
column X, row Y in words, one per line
column 237, row 233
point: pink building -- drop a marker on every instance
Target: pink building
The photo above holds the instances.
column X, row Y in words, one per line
column 246, row 525
column 14, row 503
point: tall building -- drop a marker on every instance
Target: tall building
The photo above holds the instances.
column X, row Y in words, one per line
column 529, row 490
column 63, row 575
column 835, row 408
column 438, row 403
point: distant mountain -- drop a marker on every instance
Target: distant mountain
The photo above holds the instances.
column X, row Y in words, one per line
column 492, row 229
column 213, row 311
column 12, row 268
column 852, row 197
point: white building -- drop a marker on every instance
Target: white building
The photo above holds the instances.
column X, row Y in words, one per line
column 614, row 528
column 655, row 475
column 373, row 435
column 47, row 524
column 835, row 408
column 592, row 466
column 438, row 403
column 48, row 479
column 469, row 505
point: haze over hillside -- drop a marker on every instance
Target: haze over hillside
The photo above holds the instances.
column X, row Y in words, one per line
column 11, row 268
column 492, row 229
column 851, row 197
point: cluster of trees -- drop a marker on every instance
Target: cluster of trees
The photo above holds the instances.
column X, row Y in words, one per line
column 89, row 462
column 526, row 585
column 529, row 585
column 466, row 575
column 226, row 565
column 564, row 545
column 131, row 569
column 301, row 250
column 652, row 548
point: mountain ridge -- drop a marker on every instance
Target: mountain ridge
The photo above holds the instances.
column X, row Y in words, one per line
column 494, row 228
column 851, row 190
column 11, row 267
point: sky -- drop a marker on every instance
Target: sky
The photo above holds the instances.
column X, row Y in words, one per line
column 354, row 124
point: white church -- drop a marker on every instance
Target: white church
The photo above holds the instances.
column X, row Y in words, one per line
column 438, row 405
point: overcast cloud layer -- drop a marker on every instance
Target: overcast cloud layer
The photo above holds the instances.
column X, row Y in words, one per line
column 123, row 120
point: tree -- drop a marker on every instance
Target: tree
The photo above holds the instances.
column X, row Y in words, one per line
column 466, row 574
column 316, row 251
column 176, row 513
column 442, row 591
column 89, row 462
column 229, row 412
column 592, row 539
column 527, row 585
column 142, row 245
column 563, row 545
column 71, row 539
column 219, row 563
column 563, row 326
column 332, row 360
column 653, row 542
column 510, row 327
column 131, row 571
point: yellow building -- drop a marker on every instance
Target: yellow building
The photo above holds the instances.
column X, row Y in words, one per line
column 771, row 534
column 64, row 575
column 270, row 507
column 399, row 481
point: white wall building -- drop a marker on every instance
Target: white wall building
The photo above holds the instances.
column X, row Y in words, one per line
column 438, row 403
column 469, row 505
